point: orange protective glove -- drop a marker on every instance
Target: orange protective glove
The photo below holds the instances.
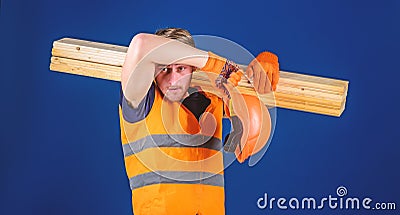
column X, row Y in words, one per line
column 251, row 127
column 264, row 70
column 223, row 67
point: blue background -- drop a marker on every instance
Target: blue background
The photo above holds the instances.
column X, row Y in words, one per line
column 60, row 150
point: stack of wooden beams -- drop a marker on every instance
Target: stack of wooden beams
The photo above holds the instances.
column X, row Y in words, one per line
column 294, row 91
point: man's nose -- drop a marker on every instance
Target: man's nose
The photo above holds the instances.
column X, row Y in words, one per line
column 174, row 76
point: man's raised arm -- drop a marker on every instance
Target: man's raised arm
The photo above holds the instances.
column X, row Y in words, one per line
column 146, row 50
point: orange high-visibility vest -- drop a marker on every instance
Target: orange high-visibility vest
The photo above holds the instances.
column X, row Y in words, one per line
column 173, row 161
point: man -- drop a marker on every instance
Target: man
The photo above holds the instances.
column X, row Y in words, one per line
column 171, row 133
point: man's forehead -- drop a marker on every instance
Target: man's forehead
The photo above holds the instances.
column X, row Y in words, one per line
column 171, row 65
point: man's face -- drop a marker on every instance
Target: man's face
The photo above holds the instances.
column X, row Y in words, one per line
column 174, row 80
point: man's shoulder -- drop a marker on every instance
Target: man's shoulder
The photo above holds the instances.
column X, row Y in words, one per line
column 134, row 114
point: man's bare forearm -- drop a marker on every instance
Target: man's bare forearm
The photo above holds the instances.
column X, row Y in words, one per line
column 146, row 50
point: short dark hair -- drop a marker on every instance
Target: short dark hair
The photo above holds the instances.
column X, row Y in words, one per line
column 179, row 34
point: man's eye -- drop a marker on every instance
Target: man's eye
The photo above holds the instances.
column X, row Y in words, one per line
column 182, row 68
column 164, row 69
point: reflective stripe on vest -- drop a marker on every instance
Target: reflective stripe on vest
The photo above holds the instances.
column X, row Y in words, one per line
column 177, row 140
column 176, row 177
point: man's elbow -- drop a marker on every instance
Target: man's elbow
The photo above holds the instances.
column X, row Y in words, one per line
column 134, row 54
column 138, row 38
column 139, row 42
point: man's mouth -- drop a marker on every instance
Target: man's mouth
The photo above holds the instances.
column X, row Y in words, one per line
column 173, row 88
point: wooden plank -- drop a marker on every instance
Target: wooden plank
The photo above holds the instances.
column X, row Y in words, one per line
column 89, row 51
column 283, row 92
column 115, row 55
column 99, row 52
column 90, row 44
column 89, row 56
column 280, row 99
column 84, row 68
column 294, row 91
